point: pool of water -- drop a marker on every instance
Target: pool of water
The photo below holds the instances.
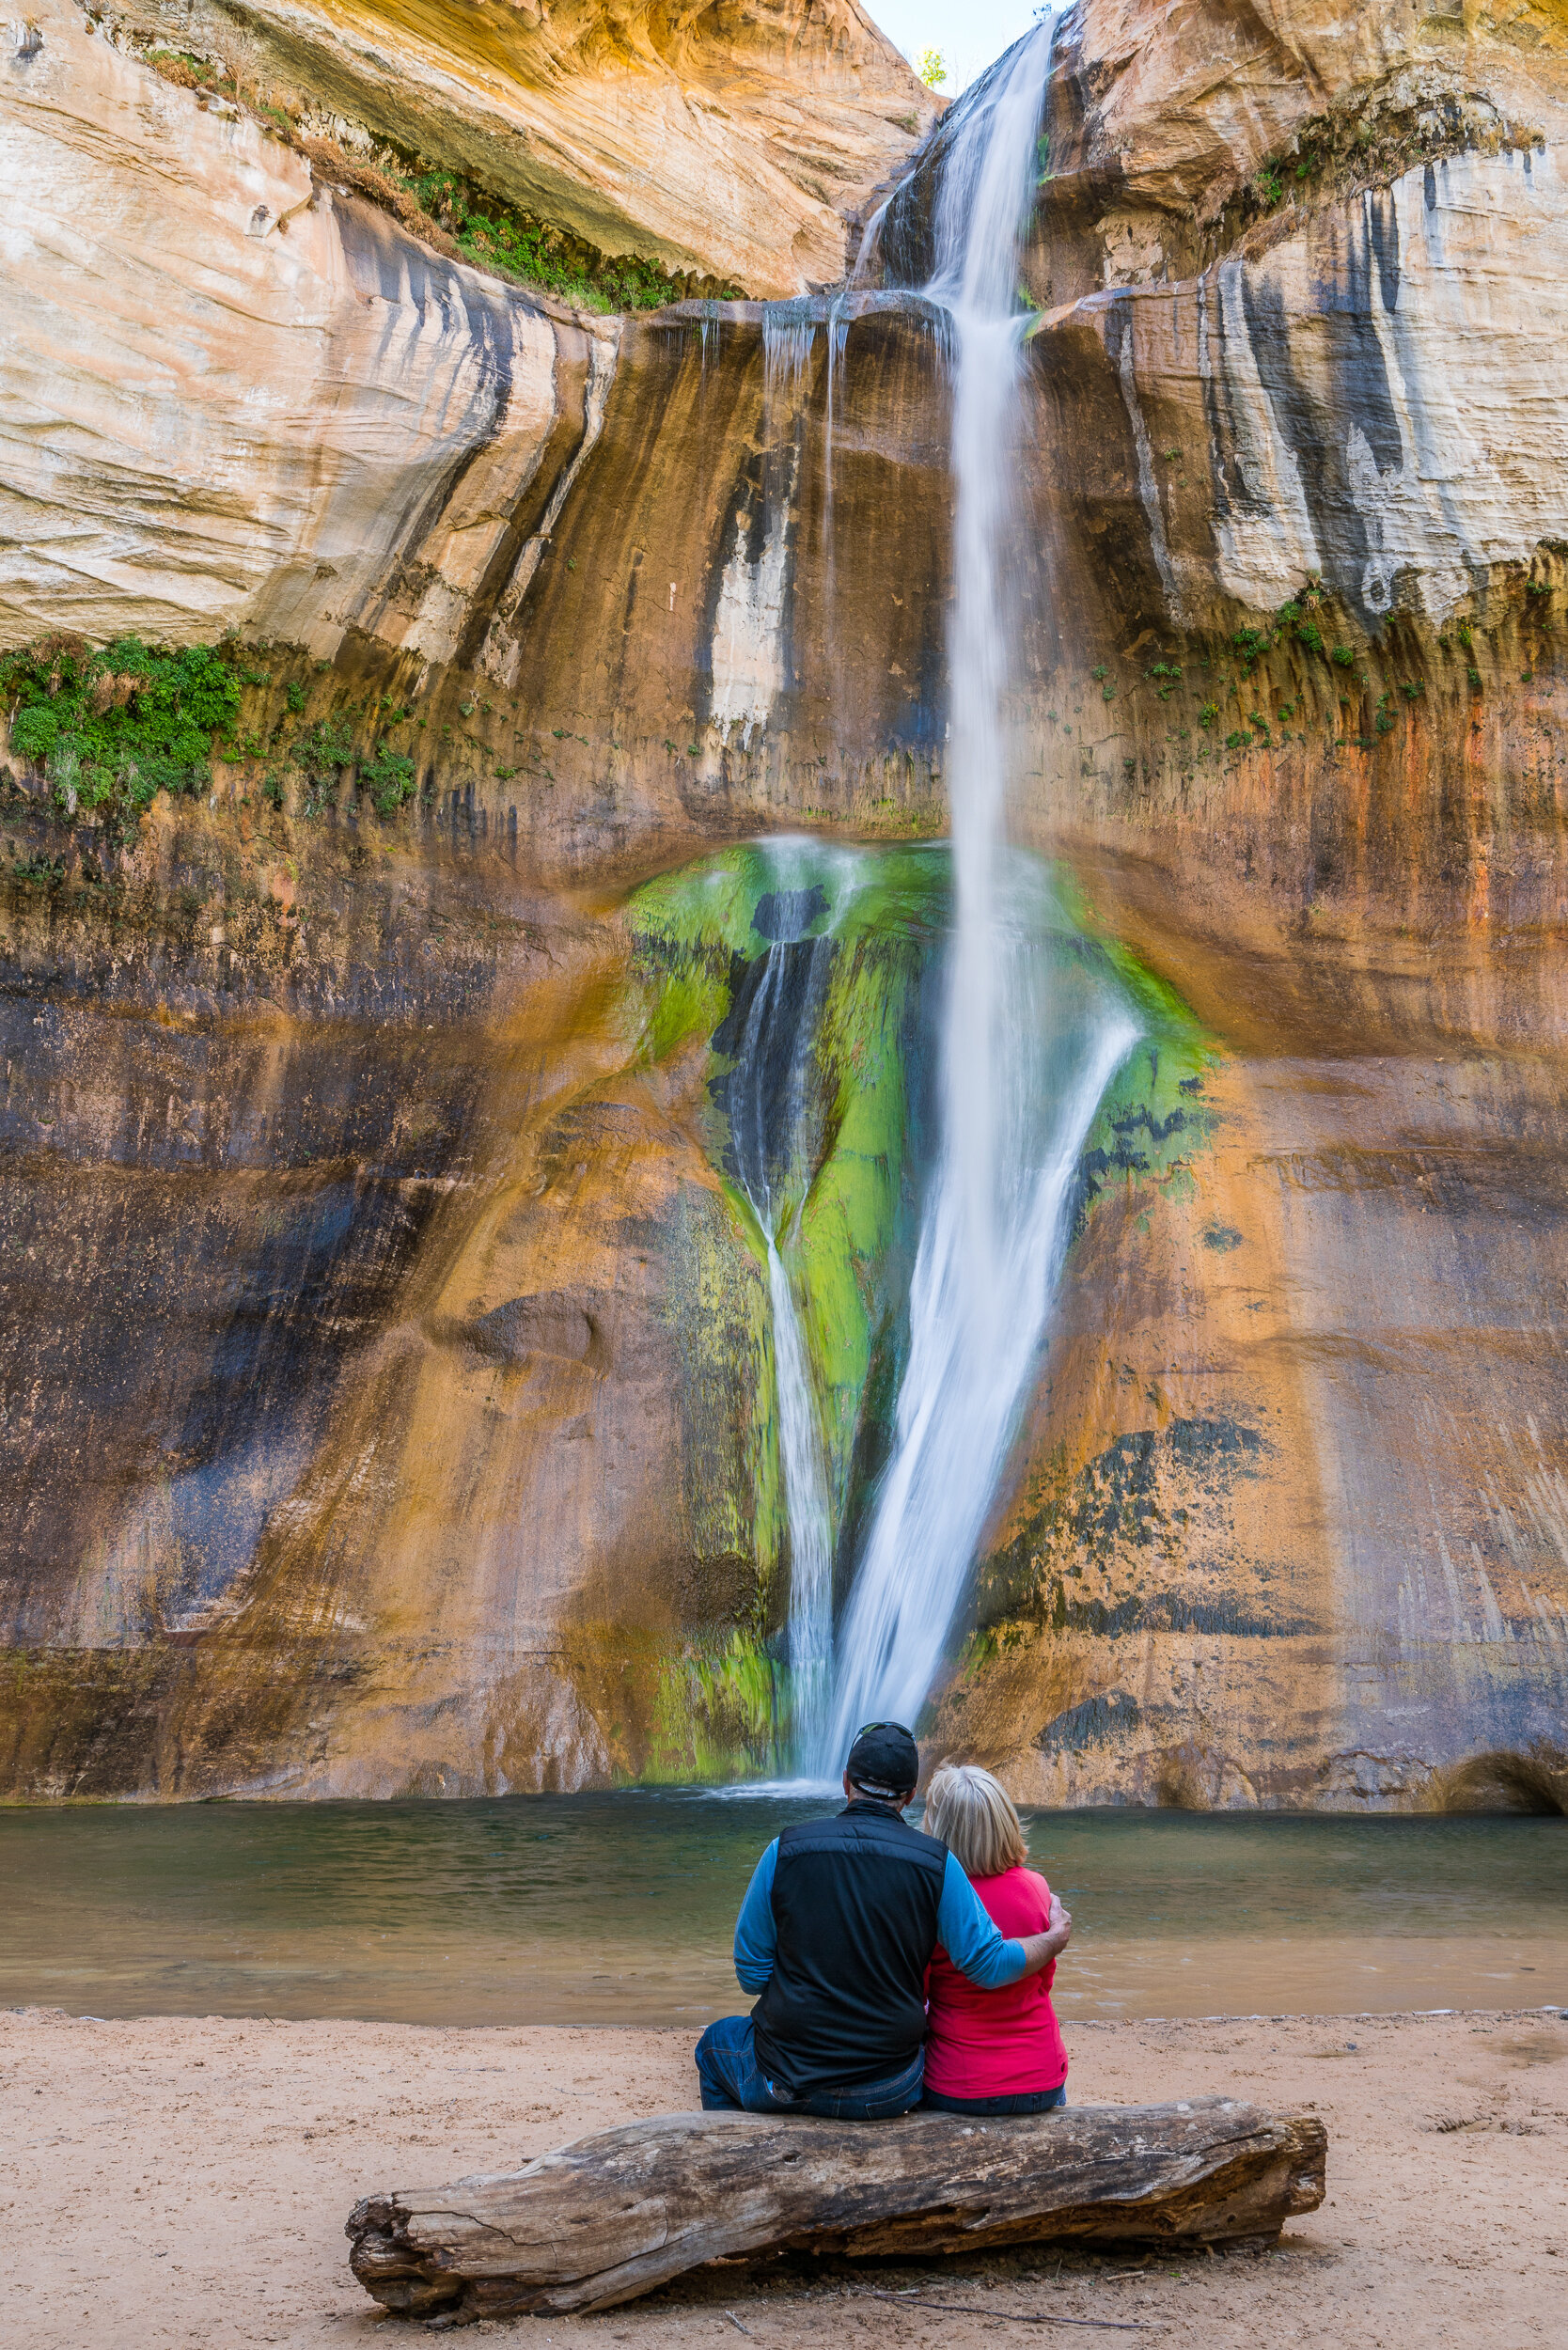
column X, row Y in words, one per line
column 619, row 1908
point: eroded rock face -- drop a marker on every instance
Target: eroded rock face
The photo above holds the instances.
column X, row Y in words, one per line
column 263, row 399
column 1162, row 117
column 733, row 143
column 1287, row 1532
column 1336, row 396
column 354, row 1131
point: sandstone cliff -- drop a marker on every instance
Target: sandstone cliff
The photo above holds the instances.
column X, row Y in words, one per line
column 391, row 1401
column 731, row 142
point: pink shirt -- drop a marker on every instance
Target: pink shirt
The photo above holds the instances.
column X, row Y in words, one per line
column 995, row 2044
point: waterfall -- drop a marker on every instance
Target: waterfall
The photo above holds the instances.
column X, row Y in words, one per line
column 771, row 1113
column 805, row 1498
column 1020, row 1080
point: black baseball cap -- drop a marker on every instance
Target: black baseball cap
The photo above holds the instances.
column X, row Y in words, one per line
column 883, row 1760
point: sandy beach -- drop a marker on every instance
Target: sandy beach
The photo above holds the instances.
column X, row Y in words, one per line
column 185, row 2182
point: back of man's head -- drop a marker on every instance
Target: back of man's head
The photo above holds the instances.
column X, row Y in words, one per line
column 884, row 1763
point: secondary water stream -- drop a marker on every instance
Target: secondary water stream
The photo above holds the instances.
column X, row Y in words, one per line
column 772, row 1113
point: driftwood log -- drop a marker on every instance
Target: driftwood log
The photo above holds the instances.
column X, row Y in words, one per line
column 615, row 2214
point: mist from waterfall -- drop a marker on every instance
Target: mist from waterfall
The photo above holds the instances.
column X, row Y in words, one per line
column 1020, row 1080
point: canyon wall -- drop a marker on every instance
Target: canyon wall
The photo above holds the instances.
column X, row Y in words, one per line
column 733, row 142
column 389, row 1396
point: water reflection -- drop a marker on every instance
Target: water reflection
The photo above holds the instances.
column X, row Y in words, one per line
column 618, row 1909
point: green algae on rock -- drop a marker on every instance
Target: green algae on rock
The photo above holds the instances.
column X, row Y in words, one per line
column 1153, row 1117
column 877, row 918
column 870, row 920
column 850, row 1200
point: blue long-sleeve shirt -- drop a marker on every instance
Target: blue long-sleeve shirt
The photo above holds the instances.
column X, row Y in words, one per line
column 965, row 1928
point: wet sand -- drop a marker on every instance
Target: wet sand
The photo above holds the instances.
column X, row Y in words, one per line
column 185, row 2182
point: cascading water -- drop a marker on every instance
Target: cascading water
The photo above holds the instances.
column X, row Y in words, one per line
column 771, row 1116
column 1020, row 1082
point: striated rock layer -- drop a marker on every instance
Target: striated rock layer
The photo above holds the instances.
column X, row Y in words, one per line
column 390, row 1400
column 240, row 394
column 731, row 142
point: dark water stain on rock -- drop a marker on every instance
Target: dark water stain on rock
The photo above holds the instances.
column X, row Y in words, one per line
column 788, row 915
column 1095, row 1721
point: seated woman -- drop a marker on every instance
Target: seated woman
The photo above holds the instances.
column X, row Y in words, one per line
column 992, row 2051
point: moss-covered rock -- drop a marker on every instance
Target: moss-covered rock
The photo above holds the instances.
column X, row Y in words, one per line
column 860, row 932
column 845, row 1174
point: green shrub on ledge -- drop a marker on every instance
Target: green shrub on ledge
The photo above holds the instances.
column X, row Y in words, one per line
column 112, row 729
column 387, row 775
column 322, row 748
column 494, row 236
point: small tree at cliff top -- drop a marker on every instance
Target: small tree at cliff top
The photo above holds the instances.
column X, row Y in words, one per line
column 241, row 58
column 932, row 68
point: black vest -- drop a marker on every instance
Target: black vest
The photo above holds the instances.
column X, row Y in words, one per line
column 855, row 1903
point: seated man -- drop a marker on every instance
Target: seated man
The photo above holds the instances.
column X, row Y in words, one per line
column 836, row 1932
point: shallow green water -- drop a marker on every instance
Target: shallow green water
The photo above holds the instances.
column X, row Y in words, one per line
column 619, row 1909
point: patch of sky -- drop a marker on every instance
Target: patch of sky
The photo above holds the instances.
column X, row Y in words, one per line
column 968, row 39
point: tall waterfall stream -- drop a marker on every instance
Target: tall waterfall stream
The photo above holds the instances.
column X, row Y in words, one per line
column 1022, row 1073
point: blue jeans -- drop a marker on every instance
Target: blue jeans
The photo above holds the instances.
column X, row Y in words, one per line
column 731, row 2082
column 1026, row 2101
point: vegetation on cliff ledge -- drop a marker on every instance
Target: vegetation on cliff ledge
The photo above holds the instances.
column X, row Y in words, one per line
column 455, row 214
column 112, row 729
column 497, row 236
column 108, row 729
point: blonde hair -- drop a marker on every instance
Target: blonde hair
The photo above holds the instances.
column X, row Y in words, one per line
column 972, row 1814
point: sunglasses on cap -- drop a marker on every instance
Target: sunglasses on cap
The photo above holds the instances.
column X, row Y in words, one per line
column 866, row 1728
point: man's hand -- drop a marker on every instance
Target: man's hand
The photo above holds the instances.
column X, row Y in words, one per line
column 1040, row 1949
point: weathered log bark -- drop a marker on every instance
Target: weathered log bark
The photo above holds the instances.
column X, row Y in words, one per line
column 615, row 2214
